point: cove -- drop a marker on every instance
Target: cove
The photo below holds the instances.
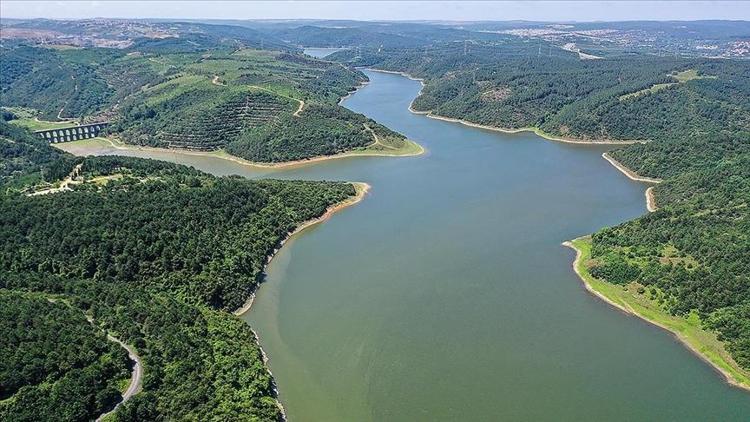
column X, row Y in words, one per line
column 446, row 295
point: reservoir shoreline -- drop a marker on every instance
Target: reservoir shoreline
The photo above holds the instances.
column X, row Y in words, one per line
column 221, row 154
column 712, row 352
column 361, row 190
column 651, row 200
column 628, row 172
column 537, row 131
column 354, row 318
column 720, row 361
column 650, row 197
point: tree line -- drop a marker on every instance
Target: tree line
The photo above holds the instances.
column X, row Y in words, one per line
column 157, row 254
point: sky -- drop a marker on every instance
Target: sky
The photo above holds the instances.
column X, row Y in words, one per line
column 388, row 10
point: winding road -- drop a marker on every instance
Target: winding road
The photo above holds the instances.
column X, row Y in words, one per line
column 375, row 138
column 217, row 81
column 136, row 378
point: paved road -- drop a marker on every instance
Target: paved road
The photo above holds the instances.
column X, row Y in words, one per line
column 136, row 378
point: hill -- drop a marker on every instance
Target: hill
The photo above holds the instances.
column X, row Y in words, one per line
column 199, row 92
column 157, row 254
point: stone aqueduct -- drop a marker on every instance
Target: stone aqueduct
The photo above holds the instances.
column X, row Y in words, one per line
column 72, row 133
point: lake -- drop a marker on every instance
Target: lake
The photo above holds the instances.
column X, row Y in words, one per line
column 322, row 51
column 446, row 295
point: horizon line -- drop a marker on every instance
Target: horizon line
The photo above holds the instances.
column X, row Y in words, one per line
column 370, row 20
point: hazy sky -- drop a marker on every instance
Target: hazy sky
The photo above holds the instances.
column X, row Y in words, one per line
column 393, row 10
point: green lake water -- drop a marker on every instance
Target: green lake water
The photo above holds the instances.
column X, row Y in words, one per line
column 446, row 295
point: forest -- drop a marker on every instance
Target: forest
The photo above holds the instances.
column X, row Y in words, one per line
column 43, row 79
column 522, row 85
column 693, row 253
column 26, row 159
column 294, row 138
column 52, row 354
column 156, row 254
column 213, row 95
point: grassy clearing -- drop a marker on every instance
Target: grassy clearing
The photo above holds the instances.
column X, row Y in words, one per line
column 633, row 299
column 84, row 147
column 62, row 47
column 33, row 124
column 651, row 90
column 689, row 75
column 103, row 180
column 682, row 77
column 28, row 118
column 405, row 148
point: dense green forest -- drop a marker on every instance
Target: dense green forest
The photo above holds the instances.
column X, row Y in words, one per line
column 520, row 84
column 43, row 79
column 156, row 253
column 339, row 37
column 56, row 365
column 292, row 138
column 213, row 96
column 693, row 253
column 26, row 159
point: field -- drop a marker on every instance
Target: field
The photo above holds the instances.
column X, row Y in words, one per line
column 28, row 118
column 682, row 77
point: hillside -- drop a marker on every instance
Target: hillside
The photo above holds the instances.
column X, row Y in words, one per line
column 698, row 38
column 134, row 244
column 522, row 85
column 25, row 159
column 249, row 103
column 49, row 349
column 214, row 96
column 691, row 255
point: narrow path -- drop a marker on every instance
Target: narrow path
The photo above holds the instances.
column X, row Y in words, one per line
column 64, row 185
column 299, row 109
column 75, row 88
column 376, row 138
column 301, row 103
column 301, row 106
column 72, row 122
